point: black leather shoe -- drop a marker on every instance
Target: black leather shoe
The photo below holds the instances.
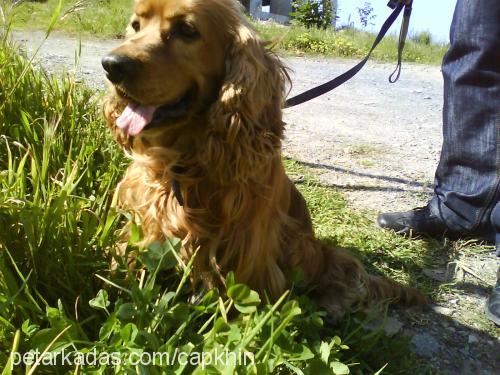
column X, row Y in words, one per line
column 492, row 308
column 417, row 221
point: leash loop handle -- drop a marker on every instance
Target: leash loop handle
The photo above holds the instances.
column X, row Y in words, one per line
column 403, row 33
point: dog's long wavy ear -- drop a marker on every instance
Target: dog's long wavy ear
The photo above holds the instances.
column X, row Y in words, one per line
column 246, row 124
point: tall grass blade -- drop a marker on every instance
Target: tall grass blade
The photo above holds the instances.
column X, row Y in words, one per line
column 53, row 20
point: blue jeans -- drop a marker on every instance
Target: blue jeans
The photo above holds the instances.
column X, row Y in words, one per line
column 467, row 184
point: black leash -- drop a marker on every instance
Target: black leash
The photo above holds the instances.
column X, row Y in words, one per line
column 176, row 187
column 397, row 5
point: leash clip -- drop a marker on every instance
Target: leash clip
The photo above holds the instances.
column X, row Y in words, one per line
column 393, row 4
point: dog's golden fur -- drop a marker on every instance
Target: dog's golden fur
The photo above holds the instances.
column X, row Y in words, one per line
column 240, row 208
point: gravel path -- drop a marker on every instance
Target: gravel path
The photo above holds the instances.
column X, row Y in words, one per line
column 380, row 144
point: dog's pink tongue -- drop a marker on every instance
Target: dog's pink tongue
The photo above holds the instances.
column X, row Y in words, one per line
column 135, row 118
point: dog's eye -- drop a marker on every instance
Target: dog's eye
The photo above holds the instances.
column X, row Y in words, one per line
column 187, row 31
column 136, row 25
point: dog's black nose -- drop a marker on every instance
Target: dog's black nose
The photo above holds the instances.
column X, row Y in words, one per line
column 118, row 67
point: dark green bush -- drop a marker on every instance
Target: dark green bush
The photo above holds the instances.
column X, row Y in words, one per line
column 423, row 37
column 312, row 13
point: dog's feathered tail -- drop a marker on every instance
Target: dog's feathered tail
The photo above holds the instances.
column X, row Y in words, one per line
column 383, row 289
column 345, row 286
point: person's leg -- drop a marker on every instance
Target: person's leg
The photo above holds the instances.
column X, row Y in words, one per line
column 468, row 175
column 467, row 184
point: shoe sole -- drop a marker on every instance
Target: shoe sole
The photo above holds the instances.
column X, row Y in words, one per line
column 452, row 236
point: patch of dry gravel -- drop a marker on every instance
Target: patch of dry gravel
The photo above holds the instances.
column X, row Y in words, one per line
column 379, row 143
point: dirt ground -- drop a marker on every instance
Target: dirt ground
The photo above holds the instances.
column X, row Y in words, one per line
column 379, row 143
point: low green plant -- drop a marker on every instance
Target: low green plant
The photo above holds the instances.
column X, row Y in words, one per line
column 312, row 43
column 348, row 43
column 423, row 37
column 99, row 18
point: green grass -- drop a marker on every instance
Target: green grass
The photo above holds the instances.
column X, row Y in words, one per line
column 108, row 18
column 351, row 43
column 97, row 18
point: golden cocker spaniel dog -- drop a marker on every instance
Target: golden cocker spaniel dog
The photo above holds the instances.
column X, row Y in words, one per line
column 197, row 99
